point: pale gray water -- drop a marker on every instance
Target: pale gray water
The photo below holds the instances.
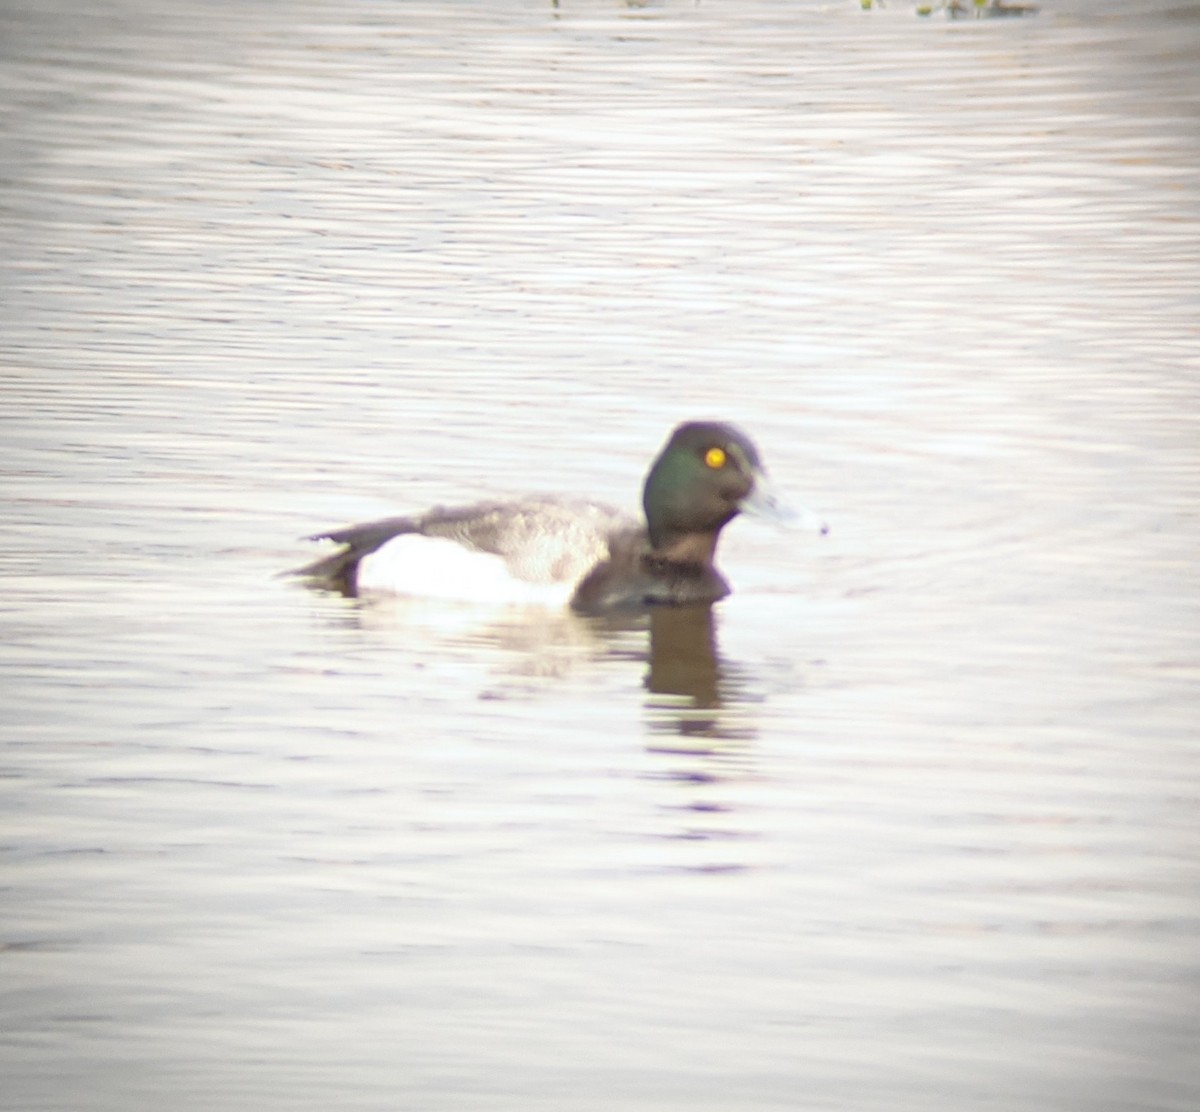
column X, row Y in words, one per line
column 922, row 834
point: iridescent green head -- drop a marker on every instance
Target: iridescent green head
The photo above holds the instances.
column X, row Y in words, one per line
column 707, row 473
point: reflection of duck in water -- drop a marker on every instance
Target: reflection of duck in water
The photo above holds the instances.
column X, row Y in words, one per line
column 580, row 553
column 683, row 657
column 692, row 690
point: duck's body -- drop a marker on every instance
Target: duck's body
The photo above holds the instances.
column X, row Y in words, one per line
column 555, row 551
column 536, row 550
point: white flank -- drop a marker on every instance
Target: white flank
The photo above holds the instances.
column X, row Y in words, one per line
column 434, row 567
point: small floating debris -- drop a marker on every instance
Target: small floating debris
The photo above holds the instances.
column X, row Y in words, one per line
column 979, row 9
column 967, row 9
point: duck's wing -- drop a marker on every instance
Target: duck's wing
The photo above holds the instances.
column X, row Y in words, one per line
column 542, row 540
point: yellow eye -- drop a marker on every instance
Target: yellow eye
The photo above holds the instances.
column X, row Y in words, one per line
column 715, row 458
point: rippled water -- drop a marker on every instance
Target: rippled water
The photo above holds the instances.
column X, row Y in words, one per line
column 909, row 822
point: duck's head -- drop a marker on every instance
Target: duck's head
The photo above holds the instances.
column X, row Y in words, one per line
column 706, row 475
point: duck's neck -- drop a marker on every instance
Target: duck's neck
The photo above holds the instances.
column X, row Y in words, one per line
column 685, row 549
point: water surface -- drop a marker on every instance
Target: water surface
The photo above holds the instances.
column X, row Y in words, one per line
column 909, row 822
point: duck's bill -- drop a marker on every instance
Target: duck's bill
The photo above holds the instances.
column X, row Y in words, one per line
column 766, row 503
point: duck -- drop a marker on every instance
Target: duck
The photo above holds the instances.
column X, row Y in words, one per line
column 571, row 552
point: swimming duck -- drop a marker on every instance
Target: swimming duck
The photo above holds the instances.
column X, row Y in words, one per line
column 561, row 551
